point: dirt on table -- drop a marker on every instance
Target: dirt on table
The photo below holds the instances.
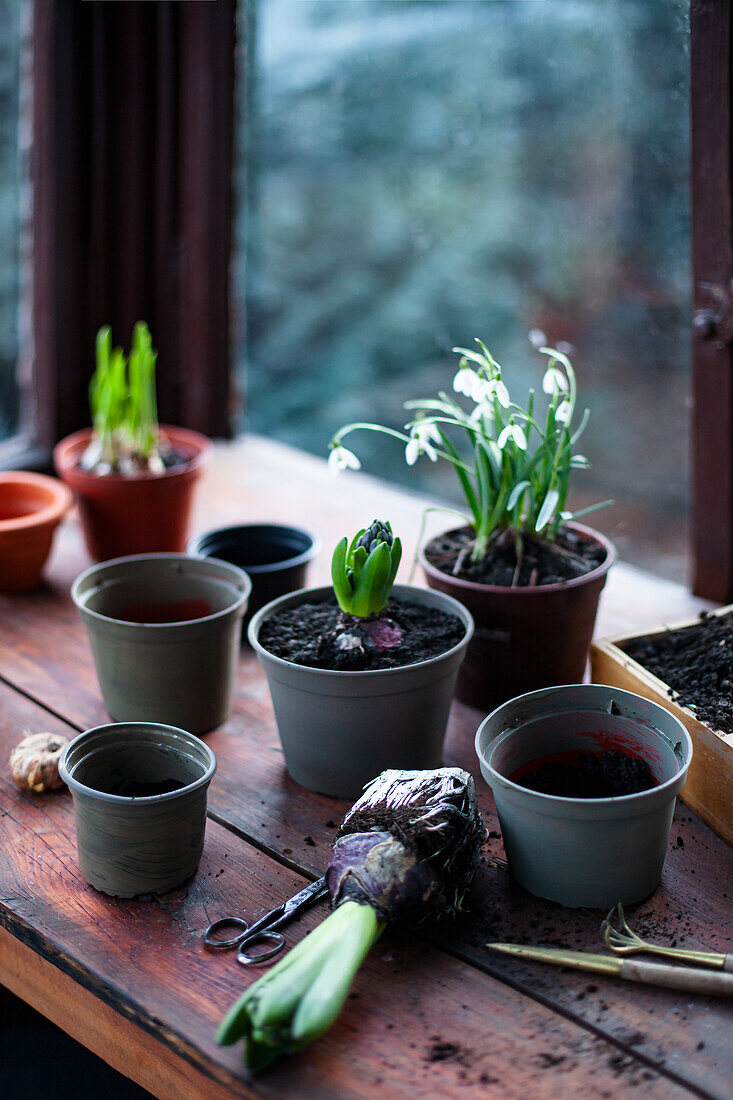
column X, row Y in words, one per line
column 309, row 635
column 696, row 664
column 571, row 555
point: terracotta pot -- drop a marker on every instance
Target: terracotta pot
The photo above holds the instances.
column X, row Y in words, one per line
column 31, row 508
column 525, row 638
column 145, row 514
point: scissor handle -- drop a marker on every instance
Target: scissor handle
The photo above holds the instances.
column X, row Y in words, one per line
column 211, row 940
column 247, row 959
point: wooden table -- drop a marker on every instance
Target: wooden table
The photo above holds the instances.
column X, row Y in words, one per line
column 432, row 1013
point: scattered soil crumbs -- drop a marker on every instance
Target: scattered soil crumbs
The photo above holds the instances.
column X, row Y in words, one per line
column 590, row 775
column 441, row 1051
column 696, row 662
column 570, row 556
column 307, row 635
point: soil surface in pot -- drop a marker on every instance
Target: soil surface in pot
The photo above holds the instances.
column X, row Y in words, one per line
column 696, row 662
column 577, row 774
column 309, row 635
column 570, row 556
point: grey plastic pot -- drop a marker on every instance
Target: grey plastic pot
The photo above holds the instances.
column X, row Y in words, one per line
column 138, row 845
column 180, row 673
column 590, row 852
column 340, row 729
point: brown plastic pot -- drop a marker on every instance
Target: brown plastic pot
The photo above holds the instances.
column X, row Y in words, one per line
column 31, row 508
column 145, row 514
column 525, row 638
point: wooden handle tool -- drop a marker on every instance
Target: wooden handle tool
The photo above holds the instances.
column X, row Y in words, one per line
column 712, row 983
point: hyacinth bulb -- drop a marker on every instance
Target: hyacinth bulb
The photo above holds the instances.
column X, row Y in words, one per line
column 363, row 570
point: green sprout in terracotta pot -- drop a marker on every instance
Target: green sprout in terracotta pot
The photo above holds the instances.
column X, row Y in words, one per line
column 514, row 462
column 123, row 406
column 363, row 572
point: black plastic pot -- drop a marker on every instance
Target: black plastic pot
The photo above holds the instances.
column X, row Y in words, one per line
column 274, row 557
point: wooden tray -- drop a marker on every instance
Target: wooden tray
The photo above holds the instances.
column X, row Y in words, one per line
column 709, row 787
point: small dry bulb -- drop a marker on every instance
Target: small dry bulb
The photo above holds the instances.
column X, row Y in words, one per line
column 34, row 762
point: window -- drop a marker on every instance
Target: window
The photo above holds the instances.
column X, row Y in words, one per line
column 408, row 174
column 418, row 174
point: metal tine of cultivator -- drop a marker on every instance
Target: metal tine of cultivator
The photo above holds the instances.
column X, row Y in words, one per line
column 622, row 940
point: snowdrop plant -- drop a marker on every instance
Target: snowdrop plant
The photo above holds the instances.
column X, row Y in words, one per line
column 513, row 462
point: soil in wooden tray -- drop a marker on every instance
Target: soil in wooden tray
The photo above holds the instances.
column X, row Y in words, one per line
column 578, row 774
column 696, row 662
column 311, row 635
column 570, row 556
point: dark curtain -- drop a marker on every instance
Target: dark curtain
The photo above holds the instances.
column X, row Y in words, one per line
column 133, row 109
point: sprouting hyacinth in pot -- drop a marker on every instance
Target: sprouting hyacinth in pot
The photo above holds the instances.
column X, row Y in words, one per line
column 125, row 437
column 513, row 462
column 363, row 572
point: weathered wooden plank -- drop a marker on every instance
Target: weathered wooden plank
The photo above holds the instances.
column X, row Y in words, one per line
column 299, row 826
column 131, row 980
column 254, row 794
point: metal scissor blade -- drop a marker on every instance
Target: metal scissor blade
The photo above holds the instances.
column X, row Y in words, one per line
column 305, row 898
column 289, row 909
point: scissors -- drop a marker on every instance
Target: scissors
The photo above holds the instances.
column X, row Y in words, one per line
column 263, row 930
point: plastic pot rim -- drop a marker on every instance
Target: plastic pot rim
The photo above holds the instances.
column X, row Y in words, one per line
column 75, row 784
column 561, row 801
column 525, row 591
column 52, row 512
column 238, row 576
column 320, row 595
column 65, row 450
column 195, row 548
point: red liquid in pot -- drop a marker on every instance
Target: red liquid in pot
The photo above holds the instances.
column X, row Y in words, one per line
column 175, row 611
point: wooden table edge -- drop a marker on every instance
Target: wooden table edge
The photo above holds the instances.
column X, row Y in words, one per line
column 122, row 1037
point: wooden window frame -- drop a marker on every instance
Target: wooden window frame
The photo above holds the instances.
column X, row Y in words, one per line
column 154, row 240
column 711, row 103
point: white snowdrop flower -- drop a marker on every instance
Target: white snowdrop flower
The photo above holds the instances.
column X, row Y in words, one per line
column 497, row 389
column 563, row 412
column 536, row 337
column 554, row 381
column 558, row 356
column 489, row 390
column 420, row 443
column 483, row 411
column 341, row 458
column 467, row 382
column 514, row 432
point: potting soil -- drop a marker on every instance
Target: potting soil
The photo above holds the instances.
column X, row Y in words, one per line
column 307, row 635
column 570, row 556
column 696, row 662
column 590, row 775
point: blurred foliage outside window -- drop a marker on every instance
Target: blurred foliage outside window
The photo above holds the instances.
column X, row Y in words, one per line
column 418, row 174
column 11, row 13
